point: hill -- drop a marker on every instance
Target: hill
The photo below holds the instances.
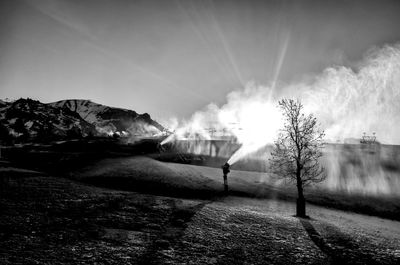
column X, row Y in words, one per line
column 30, row 120
column 2, row 103
column 54, row 220
column 147, row 175
column 109, row 120
column 27, row 119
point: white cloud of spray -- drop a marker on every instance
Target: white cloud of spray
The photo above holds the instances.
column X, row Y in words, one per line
column 250, row 116
column 254, row 110
column 347, row 101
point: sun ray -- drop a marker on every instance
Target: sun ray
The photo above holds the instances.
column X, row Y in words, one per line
column 225, row 45
column 92, row 41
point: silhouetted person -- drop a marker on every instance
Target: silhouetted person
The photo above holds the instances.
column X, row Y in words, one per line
column 225, row 170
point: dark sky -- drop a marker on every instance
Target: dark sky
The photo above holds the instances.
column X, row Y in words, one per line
column 170, row 58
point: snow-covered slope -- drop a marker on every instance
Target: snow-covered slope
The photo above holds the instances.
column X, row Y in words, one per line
column 28, row 119
column 2, row 103
column 109, row 120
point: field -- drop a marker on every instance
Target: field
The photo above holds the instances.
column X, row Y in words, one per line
column 117, row 207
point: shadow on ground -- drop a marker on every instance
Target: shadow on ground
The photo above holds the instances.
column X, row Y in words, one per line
column 340, row 248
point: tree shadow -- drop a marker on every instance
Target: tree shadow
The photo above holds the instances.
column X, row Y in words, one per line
column 340, row 249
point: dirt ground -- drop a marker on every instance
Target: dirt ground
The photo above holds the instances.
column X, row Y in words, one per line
column 53, row 220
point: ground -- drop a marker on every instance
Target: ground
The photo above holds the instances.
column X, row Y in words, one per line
column 49, row 219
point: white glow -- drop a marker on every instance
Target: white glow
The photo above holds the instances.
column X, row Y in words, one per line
column 347, row 102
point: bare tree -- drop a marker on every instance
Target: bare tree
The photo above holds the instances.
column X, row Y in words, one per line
column 297, row 150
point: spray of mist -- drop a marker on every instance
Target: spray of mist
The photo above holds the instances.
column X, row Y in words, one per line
column 350, row 101
column 250, row 117
column 346, row 100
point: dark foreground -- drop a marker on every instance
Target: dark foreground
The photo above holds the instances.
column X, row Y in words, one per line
column 54, row 220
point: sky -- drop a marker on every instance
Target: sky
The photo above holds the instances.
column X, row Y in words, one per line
column 170, row 58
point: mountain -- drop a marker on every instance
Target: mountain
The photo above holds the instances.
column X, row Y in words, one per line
column 27, row 119
column 31, row 120
column 2, row 103
column 109, row 120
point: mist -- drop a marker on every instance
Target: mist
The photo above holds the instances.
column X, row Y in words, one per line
column 347, row 101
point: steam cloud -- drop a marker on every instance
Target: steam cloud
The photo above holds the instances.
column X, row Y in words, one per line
column 347, row 102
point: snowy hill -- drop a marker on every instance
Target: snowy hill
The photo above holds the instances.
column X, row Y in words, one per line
column 110, row 120
column 30, row 120
column 2, row 103
column 27, row 119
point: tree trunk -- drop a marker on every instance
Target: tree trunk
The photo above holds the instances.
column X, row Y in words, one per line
column 301, row 201
column 301, row 207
